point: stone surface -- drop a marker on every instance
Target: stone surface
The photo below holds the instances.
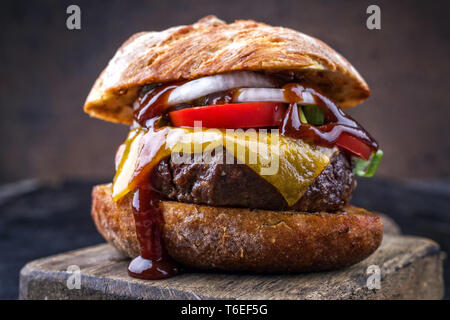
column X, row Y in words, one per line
column 411, row 268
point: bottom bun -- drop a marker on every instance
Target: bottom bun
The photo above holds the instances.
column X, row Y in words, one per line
column 207, row 237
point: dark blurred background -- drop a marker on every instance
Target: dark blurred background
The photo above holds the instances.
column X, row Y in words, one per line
column 46, row 72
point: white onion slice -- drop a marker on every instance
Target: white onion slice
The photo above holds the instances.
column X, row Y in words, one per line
column 259, row 94
column 269, row 94
column 203, row 86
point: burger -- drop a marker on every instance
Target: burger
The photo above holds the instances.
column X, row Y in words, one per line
column 239, row 155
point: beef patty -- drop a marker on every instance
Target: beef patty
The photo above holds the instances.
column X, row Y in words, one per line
column 236, row 185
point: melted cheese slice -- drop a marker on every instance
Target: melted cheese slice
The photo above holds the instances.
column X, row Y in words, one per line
column 290, row 165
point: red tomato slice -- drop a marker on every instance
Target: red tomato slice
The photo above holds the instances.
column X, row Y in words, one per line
column 354, row 145
column 231, row 116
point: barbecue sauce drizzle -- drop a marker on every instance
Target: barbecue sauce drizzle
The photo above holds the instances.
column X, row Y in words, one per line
column 336, row 120
column 150, row 110
column 153, row 263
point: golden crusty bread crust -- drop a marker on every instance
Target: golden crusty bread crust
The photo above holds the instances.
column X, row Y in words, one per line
column 211, row 46
column 207, row 237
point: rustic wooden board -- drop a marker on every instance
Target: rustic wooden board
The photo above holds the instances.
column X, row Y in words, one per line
column 411, row 268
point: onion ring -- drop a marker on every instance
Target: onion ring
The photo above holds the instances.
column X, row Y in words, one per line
column 203, row 86
column 269, row 95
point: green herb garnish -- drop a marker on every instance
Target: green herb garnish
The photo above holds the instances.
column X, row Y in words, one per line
column 314, row 115
column 367, row 168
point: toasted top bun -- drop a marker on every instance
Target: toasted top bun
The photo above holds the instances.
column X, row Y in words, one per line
column 210, row 46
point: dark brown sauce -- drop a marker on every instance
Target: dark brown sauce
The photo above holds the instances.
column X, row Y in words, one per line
column 222, row 97
column 336, row 121
column 153, row 103
column 153, row 262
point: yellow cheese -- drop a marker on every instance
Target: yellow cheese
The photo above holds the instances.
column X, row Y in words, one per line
column 290, row 165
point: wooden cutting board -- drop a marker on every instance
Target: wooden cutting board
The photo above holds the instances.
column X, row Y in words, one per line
column 403, row 267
